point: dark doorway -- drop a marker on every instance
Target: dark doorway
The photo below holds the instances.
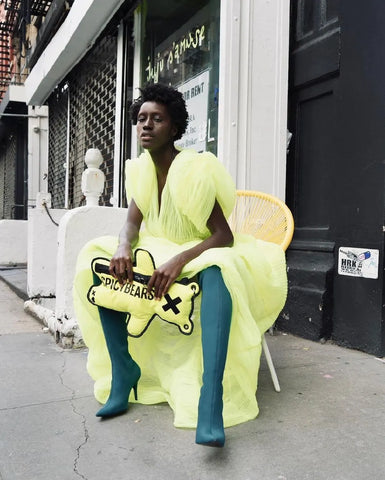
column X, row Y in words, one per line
column 314, row 74
column 335, row 171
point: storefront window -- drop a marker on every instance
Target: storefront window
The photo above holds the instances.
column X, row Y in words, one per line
column 181, row 48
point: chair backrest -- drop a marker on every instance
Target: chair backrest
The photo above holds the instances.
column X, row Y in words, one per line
column 264, row 216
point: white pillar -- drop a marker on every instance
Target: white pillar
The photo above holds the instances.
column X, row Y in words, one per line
column 229, row 64
column 138, row 50
column 37, row 152
column 120, row 63
column 253, row 92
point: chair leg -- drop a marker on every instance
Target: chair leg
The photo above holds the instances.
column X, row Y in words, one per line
column 270, row 364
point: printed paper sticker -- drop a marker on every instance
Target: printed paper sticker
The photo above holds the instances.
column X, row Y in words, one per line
column 358, row 262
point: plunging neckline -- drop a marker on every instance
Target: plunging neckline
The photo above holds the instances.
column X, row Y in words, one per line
column 159, row 196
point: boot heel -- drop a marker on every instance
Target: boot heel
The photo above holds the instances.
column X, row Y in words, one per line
column 135, row 388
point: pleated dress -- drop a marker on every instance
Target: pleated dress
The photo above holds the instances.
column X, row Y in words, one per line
column 254, row 272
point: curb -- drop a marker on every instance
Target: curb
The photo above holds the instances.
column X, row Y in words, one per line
column 19, row 291
column 67, row 335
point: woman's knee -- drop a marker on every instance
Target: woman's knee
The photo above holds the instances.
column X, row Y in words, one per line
column 210, row 274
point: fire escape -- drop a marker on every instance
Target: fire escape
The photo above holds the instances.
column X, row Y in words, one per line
column 15, row 18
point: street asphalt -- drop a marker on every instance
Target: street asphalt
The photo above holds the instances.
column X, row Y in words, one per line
column 327, row 423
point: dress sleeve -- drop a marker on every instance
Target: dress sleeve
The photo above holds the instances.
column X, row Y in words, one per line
column 197, row 181
column 129, row 170
column 139, row 182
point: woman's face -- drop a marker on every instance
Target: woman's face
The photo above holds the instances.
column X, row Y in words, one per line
column 154, row 127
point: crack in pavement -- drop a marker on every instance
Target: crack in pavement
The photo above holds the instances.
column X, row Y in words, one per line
column 83, row 421
column 35, row 404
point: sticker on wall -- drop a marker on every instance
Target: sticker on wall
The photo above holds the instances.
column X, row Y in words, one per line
column 358, row 262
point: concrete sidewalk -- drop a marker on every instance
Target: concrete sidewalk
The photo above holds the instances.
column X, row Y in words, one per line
column 16, row 279
column 326, row 424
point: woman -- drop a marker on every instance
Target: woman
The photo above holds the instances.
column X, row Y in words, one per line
column 183, row 198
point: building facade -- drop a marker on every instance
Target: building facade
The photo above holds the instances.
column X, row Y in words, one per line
column 179, row 43
column 85, row 60
column 335, row 176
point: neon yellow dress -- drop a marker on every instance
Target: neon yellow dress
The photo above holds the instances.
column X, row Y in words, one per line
column 253, row 271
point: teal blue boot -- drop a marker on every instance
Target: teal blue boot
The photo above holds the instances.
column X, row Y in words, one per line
column 216, row 311
column 125, row 371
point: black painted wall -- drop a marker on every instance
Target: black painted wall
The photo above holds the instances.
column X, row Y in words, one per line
column 336, row 169
column 358, row 216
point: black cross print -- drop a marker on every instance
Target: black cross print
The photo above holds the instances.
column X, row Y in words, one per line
column 172, row 303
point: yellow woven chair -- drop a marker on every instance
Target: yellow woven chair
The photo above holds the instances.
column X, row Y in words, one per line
column 267, row 218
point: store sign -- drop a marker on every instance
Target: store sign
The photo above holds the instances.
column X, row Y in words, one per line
column 174, row 54
column 196, row 94
column 358, row 262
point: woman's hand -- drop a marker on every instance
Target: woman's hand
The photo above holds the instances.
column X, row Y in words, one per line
column 221, row 236
column 121, row 264
column 164, row 276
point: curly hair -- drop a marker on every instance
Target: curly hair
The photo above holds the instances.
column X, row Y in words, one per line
column 171, row 98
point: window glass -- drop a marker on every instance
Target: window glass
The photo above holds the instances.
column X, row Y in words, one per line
column 332, row 9
column 305, row 18
column 181, row 48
